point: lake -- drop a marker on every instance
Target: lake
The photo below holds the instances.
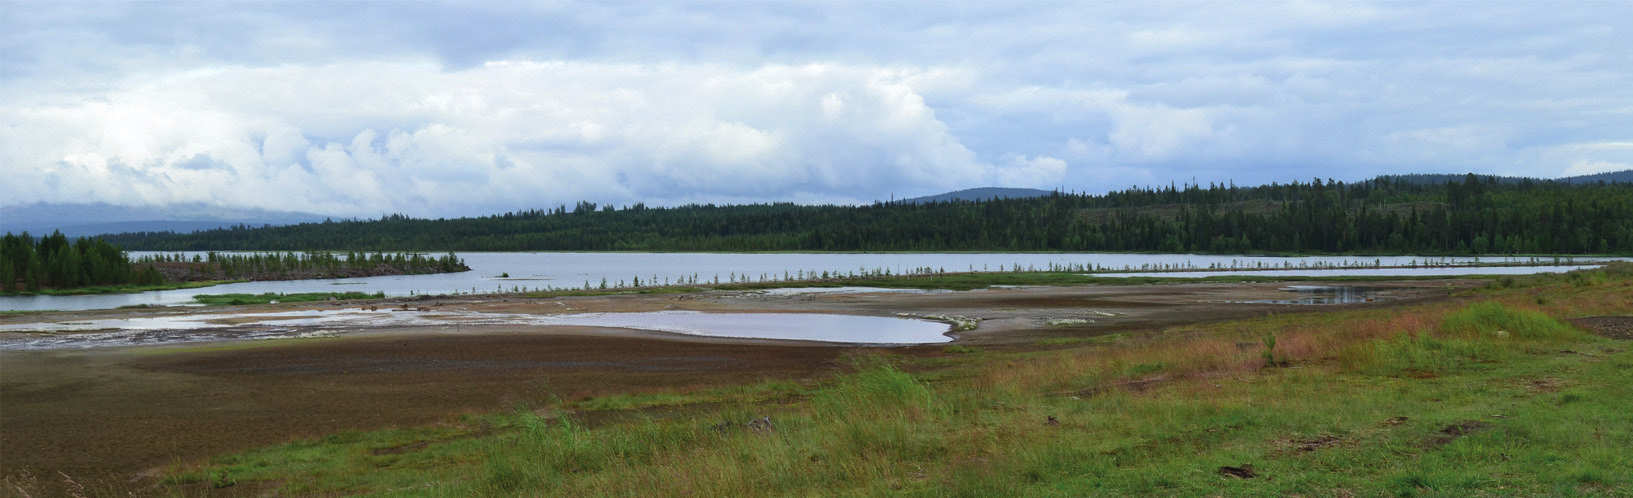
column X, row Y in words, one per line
column 530, row 271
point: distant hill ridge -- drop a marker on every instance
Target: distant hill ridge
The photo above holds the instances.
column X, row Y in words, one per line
column 1624, row 176
column 979, row 194
column 82, row 219
column 989, row 193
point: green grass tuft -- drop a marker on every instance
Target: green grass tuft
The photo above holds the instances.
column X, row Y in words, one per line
column 1492, row 319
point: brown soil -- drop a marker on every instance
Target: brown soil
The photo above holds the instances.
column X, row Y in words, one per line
column 1306, row 445
column 128, row 410
column 90, row 412
column 1614, row 327
column 1454, row 431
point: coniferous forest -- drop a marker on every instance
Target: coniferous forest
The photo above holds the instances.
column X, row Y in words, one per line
column 1386, row 215
column 51, row 262
column 54, row 262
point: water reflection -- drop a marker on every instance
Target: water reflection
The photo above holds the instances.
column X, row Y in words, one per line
column 1316, row 294
column 155, row 330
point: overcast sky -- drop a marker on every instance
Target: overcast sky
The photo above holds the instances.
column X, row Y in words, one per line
column 448, row 109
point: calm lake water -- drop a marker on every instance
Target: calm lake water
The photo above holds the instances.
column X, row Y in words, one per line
column 575, row 270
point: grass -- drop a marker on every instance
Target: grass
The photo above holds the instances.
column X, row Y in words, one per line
column 271, row 297
column 767, row 390
column 1428, row 400
column 120, row 289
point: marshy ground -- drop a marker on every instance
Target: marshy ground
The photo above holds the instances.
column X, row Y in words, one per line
column 128, row 417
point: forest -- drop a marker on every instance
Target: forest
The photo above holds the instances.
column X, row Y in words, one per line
column 54, row 262
column 292, row 266
column 1385, row 215
column 29, row 265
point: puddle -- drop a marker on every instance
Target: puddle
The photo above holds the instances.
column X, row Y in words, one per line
column 794, row 291
column 1318, row 294
column 788, row 326
column 154, row 330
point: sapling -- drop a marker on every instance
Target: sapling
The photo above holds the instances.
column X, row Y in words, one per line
column 1270, row 349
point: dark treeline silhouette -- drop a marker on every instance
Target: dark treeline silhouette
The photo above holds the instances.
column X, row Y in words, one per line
column 292, row 266
column 52, row 261
column 1470, row 215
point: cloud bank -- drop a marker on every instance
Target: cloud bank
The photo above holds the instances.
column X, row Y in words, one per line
column 430, row 109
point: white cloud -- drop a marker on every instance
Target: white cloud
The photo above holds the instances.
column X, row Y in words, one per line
column 1581, row 168
column 1023, row 171
column 438, row 109
column 413, row 138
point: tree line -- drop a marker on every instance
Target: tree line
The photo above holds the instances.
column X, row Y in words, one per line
column 1385, row 215
column 288, row 265
column 27, row 264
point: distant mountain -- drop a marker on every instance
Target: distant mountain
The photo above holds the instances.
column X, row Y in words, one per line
column 76, row 220
column 979, row 194
column 1625, row 176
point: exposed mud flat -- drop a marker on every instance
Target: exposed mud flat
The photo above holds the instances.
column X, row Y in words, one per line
column 91, row 411
column 1614, row 327
column 127, row 409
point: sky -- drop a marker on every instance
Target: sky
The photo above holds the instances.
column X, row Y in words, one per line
column 435, row 109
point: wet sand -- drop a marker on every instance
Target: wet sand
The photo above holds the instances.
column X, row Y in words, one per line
column 123, row 411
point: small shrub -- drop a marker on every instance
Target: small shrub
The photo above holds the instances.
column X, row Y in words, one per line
column 1269, row 349
column 960, row 349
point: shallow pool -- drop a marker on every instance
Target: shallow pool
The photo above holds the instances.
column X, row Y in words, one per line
column 1321, row 294
column 184, row 328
